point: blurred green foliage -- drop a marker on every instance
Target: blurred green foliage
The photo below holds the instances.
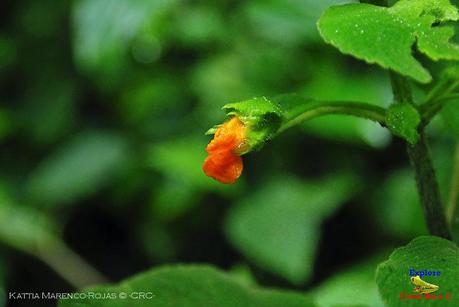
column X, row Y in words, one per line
column 354, row 285
column 198, row 286
column 103, row 109
column 257, row 224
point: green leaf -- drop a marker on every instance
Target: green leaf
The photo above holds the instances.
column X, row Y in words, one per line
column 423, row 253
column 354, row 286
column 78, row 168
column 189, row 286
column 385, row 36
column 278, row 226
column 403, row 120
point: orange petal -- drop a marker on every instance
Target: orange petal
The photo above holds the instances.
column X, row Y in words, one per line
column 228, row 136
column 222, row 143
column 223, row 163
column 225, row 167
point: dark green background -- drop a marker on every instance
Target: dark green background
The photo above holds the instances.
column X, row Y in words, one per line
column 103, row 109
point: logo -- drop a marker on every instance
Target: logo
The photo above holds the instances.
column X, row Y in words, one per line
column 422, row 273
column 422, row 289
column 421, row 286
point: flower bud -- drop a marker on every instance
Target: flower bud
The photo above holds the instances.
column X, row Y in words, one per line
column 251, row 124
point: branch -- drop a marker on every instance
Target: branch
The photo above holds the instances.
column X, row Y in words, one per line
column 317, row 109
column 425, row 174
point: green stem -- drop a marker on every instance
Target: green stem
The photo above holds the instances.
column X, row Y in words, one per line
column 313, row 110
column 428, row 188
column 401, row 88
column 425, row 174
column 69, row 265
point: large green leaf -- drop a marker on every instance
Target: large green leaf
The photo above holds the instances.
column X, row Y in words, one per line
column 188, row 286
column 278, row 226
column 423, row 253
column 386, row 35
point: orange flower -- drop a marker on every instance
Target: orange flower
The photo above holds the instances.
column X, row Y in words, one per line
column 223, row 162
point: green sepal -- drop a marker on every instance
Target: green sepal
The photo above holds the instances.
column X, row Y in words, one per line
column 261, row 116
column 213, row 129
column 403, row 120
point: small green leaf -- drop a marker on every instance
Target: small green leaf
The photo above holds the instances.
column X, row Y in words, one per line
column 403, row 120
column 386, row 35
column 278, row 226
column 423, row 253
column 188, row 286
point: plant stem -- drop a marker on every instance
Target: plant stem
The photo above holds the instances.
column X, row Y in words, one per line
column 428, row 188
column 425, row 174
column 70, row 266
column 401, row 89
column 313, row 110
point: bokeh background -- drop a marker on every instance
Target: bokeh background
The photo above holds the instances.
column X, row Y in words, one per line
column 103, row 110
